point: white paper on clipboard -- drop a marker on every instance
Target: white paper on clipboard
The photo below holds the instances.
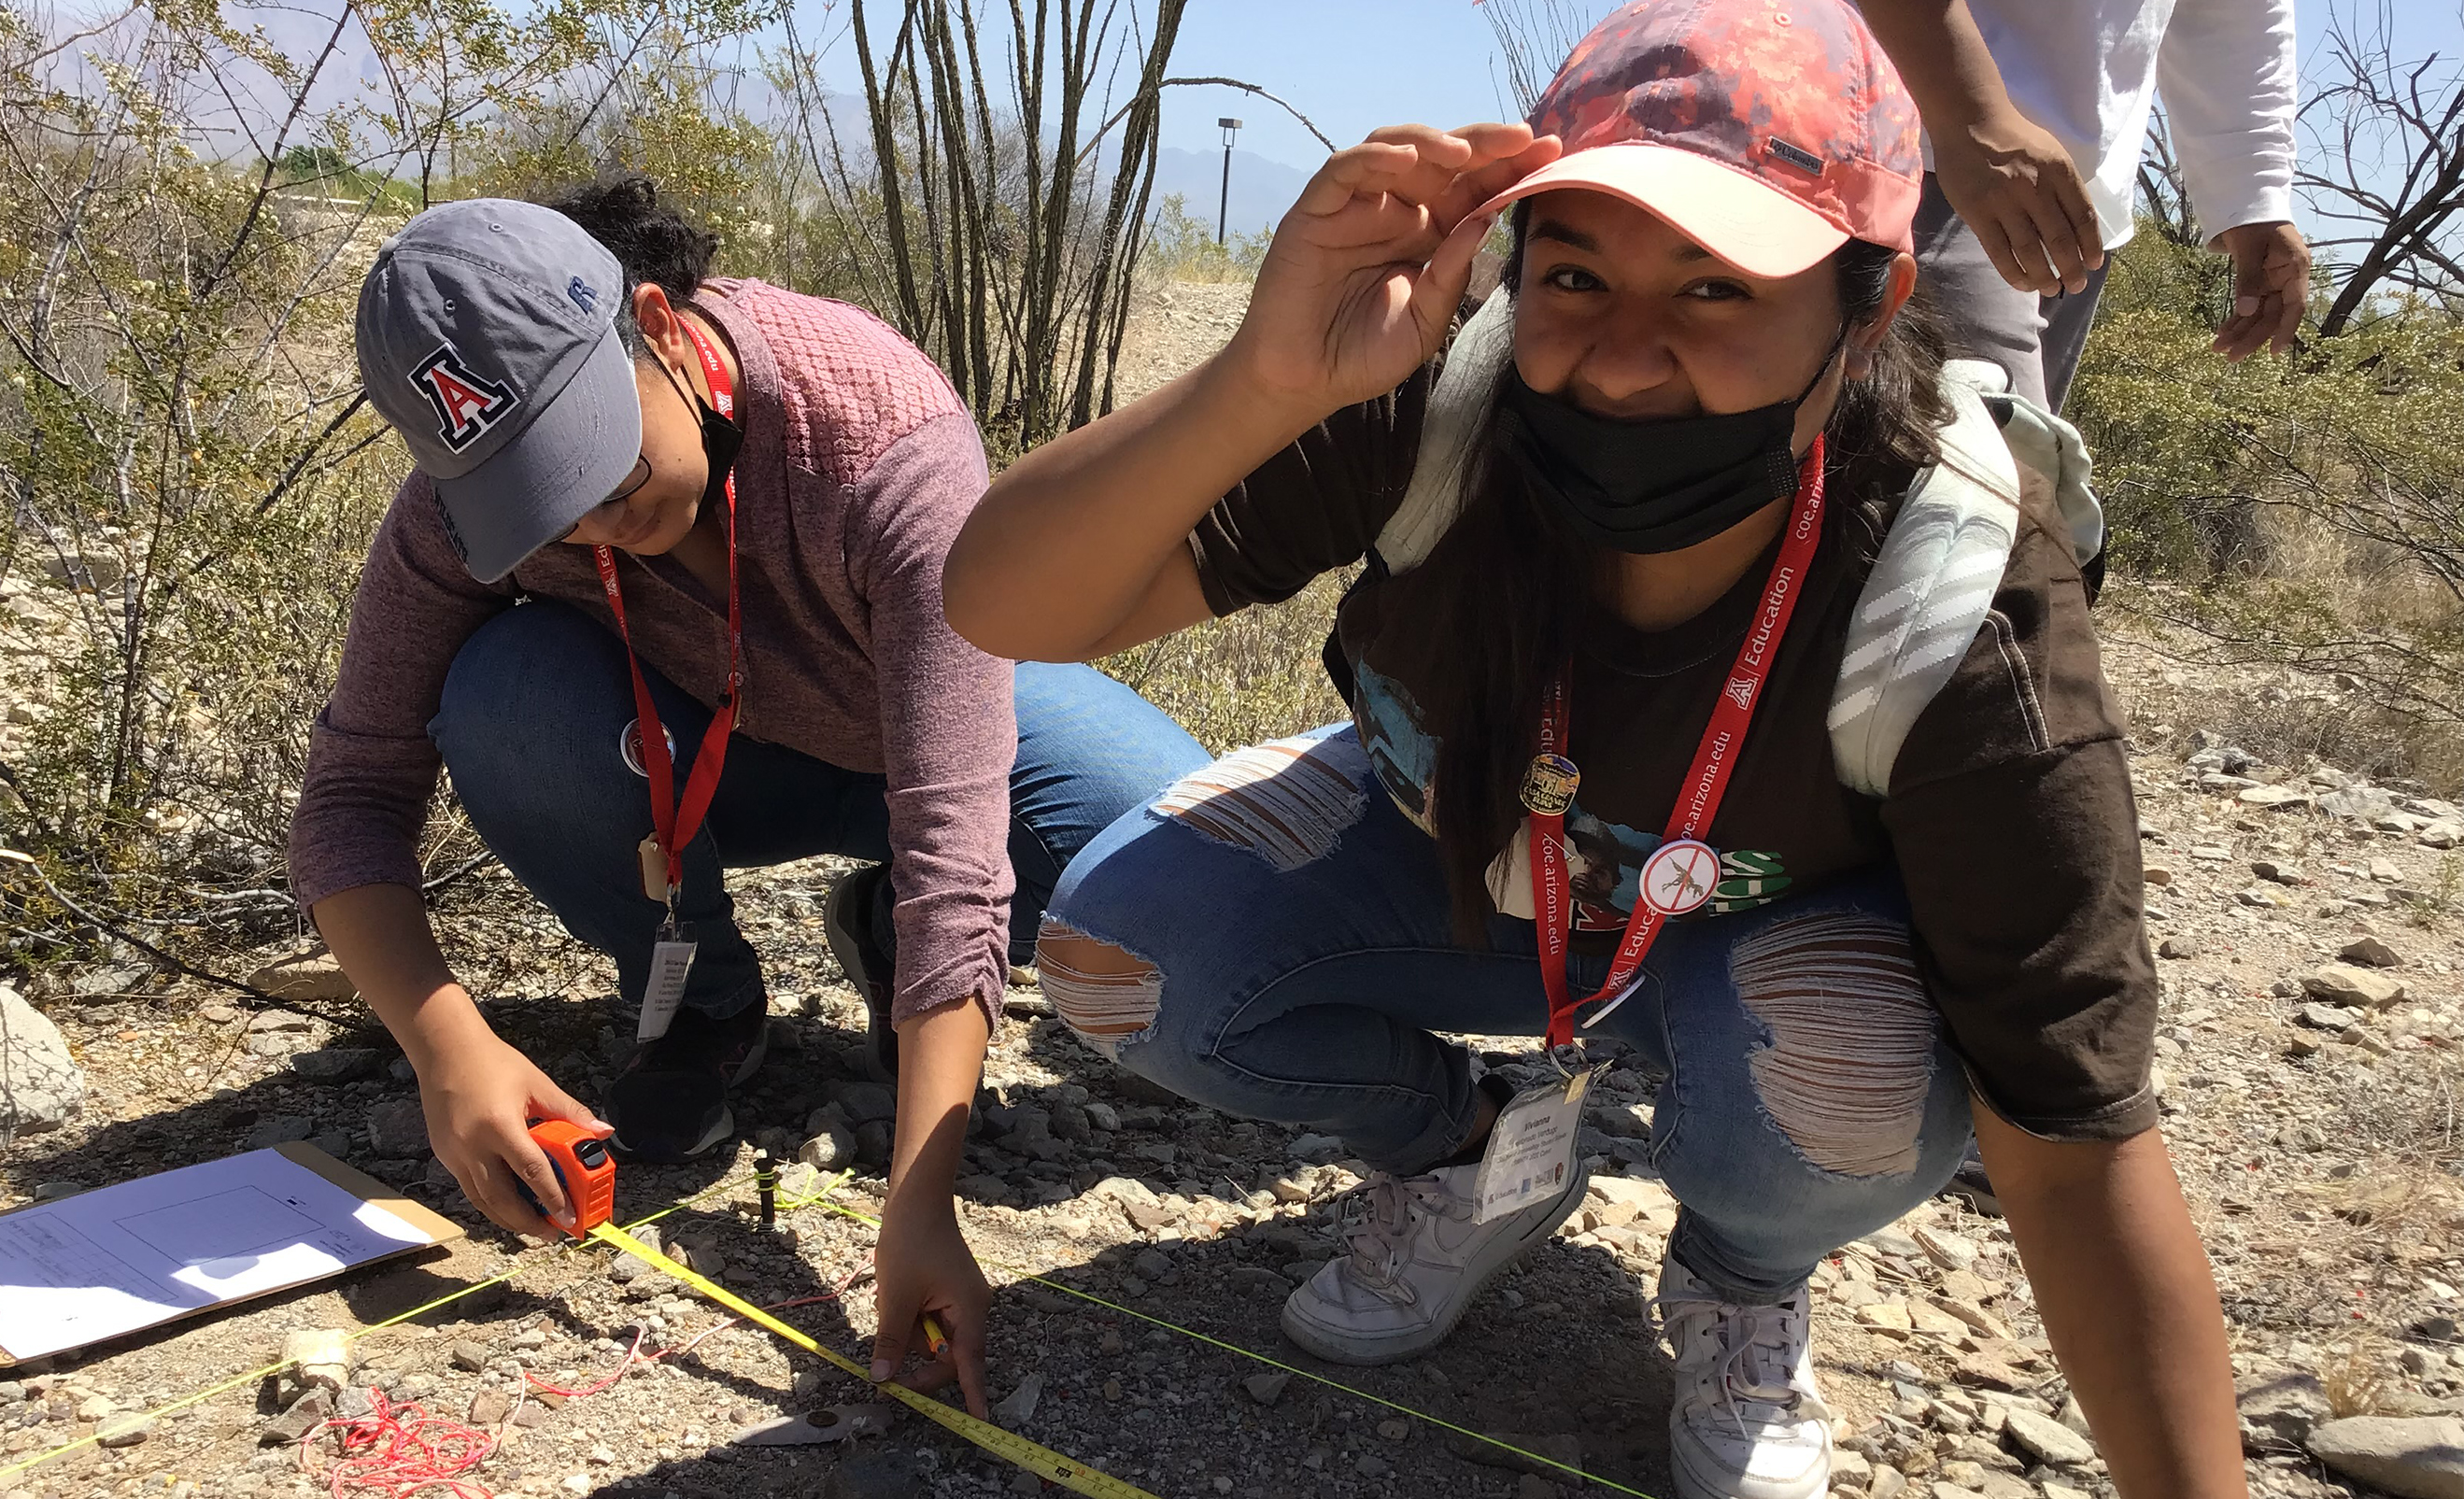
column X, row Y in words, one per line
column 122, row 1258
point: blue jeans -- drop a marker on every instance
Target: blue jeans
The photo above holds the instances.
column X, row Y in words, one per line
column 1277, row 946
column 531, row 725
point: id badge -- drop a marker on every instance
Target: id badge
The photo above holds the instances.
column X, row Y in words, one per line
column 1531, row 1147
column 671, row 961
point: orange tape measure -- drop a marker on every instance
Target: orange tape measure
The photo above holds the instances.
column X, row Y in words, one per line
column 585, row 1170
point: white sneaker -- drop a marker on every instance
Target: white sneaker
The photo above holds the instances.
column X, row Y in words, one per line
column 1416, row 1261
column 1747, row 1423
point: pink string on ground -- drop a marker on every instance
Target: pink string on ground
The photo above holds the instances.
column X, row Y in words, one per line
column 397, row 1451
column 634, row 1354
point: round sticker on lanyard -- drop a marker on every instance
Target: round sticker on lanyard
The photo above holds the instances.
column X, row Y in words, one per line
column 1680, row 876
column 1549, row 785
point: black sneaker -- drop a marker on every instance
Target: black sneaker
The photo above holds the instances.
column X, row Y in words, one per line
column 668, row 1101
column 847, row 921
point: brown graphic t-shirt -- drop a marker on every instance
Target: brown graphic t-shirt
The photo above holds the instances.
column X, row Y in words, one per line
column 2008, row 815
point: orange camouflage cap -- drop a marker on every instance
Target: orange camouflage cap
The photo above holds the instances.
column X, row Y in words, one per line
column 1769, row 131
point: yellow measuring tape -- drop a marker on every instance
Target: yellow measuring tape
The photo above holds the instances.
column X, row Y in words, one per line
column 822, row 1200
column 1008, row 1445
column 1042, row 1461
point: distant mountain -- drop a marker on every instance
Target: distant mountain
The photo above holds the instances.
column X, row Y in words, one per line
column 1261, row 190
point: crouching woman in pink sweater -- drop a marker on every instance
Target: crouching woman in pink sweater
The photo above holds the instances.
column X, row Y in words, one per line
column 664, row 595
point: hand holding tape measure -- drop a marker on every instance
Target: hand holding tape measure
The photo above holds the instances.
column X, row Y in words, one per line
column 584, row 1168
column 587, row 1170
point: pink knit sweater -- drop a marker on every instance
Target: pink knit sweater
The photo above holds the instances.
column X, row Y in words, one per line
column 859, row 464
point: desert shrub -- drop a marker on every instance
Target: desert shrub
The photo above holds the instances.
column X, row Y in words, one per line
column 190, row 474
column 1254, row 676
column 2210, row 467
column 1182, row 248
column 183, row 452
column 2303, row 511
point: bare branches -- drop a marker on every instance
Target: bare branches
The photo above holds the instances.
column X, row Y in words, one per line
column 121, row 930
column 1010, row 240
column 274, row 152
column 2385, row 171
column 2163, row 195
column 1146, row 95
column 1535, row 36
column 879, row 103
column 183, row 443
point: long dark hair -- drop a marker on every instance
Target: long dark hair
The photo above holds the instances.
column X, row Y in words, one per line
column 656, row 244
column 1520, row 580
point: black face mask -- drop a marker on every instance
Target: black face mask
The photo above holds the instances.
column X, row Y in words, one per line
column 1657, row 485
column 721, row 439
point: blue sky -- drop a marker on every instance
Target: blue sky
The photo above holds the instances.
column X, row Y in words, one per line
column 1350, row 65
column 1353, row 65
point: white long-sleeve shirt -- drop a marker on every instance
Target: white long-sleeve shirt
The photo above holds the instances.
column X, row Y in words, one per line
column 2088, row 69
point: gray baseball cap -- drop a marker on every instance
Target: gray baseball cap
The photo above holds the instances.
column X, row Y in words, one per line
column 487, row 336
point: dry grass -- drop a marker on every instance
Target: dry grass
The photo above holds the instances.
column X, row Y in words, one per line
column 2355, row 1377
column 2285, row 714
column 2329, row 648
column 1256, row 676
column 2327, row 1258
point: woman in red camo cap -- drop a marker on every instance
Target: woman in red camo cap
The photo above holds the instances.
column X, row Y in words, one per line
column 1715, row 682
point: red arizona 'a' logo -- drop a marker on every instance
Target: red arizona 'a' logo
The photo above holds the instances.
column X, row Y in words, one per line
column 1742, row 688
column 467, row 403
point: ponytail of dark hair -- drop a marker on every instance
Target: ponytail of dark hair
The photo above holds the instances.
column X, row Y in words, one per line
column 1520, row 580
column 655, row 245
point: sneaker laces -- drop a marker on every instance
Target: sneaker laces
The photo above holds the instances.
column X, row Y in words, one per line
column 1752, row 1379
column 1379, row 1225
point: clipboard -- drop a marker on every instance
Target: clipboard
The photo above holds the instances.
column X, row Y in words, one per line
column 161, row 1248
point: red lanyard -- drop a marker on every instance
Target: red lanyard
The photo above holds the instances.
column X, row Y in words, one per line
column 676, row 826
column 1681, row 873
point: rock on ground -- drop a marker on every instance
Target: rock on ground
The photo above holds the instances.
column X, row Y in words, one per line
column 397, row 1127
column 832, row 1146
column 2415, row 1457
column 42, row 1087
column 875, row 1475
column 2280, row 1407
column 311, row 976
column 2362, row 988
column 319, row 1357
column 2048, row 1439
column 2370, row 953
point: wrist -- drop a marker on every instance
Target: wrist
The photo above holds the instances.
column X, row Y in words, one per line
column 442, row 1028
column 1987, row 125
column 925, row 1191
column 1258, row 411
column 940, row 1065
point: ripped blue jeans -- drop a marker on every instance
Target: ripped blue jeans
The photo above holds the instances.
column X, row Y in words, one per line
column 1274, row 943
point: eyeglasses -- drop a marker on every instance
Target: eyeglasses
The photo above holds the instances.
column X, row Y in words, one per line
column 635, row 477
column 639, row 475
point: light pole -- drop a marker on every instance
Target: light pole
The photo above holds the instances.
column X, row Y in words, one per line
column 1224, row 204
